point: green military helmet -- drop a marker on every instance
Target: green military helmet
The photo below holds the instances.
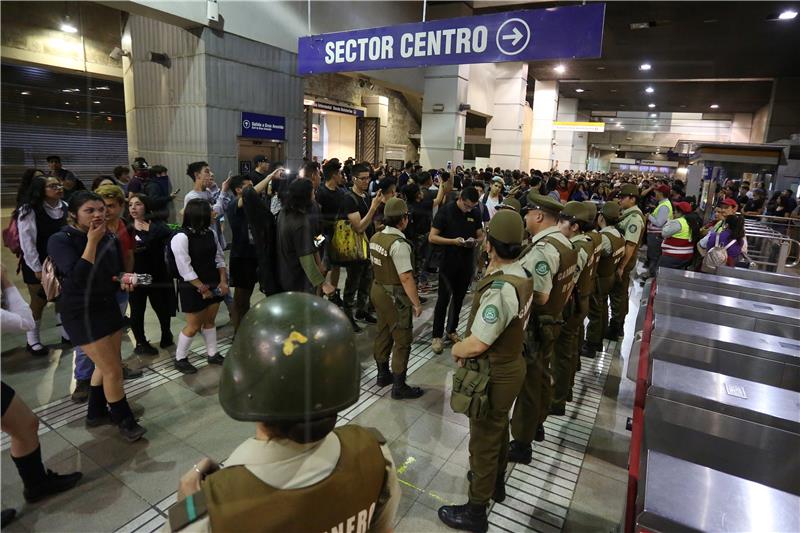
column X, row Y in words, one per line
column 395, row 207
column 293, row 358
column 545, row 203
column 510, row 203
column 591, row 209
column 629, row 189
column 578, row 211
column 611, row 212
column 506, row 227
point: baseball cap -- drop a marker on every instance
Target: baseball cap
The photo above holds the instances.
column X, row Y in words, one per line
column 729, row 201
column 260, row 159
column 684, row 207
column 663, row 189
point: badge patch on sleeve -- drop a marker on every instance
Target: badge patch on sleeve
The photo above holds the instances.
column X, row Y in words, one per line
column 489, row 314
column 542, row 268
column 632, row 228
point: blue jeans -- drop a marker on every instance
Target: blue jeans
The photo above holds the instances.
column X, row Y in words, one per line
column 83, row 365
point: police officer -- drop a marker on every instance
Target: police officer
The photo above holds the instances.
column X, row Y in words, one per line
column 575, row 220
column 631, row 226
column 293, row 366
column 495, row 334
column 612, row 250
column 550, row 259
column 394, row 295
column 510, row 203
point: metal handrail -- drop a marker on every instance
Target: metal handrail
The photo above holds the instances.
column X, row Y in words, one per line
column 784, row 239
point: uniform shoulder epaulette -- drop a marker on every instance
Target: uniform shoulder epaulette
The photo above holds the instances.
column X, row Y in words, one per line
column 189, row 510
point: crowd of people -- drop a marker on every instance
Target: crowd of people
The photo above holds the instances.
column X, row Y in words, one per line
column 548, row 258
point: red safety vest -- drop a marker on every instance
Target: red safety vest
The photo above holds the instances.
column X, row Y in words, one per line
column 679, row 245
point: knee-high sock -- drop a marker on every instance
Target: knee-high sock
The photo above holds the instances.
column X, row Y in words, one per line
column 182, row 351
column 31, row 468
column 33, row 335
column 210, row 335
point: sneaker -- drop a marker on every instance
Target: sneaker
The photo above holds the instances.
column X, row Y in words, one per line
column 453, row 337
column 145, row 348
column 437, row 346
column 366, row 317
column 131, row 430
column 52, row 484
column 38, row 349
column 81, row 392
column 216, row 359
column 130, row 373
column 185, row 366
column 167, row 342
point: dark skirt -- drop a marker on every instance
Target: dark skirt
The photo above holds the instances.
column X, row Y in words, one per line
column 100, row 319
column 6, row 394
column 28, row 276
column 191, row 300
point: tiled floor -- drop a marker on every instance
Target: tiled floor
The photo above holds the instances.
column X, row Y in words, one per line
column 577, row 481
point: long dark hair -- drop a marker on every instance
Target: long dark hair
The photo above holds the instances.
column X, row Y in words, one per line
column 148, row 210
column 25, row 185
column 695, row 222
column 36, row 192
column 197, row 216
column 298, row 197
column 735, row 226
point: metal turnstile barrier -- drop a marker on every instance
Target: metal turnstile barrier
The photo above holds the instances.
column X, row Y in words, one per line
column 774, row 278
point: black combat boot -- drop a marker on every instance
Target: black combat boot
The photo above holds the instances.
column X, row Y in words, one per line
column 590, row 350
column 467, row 517
column 519, row 452
column 384, row 374
column 539, row 433
column 401, row 391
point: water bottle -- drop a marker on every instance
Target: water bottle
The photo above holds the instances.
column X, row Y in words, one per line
column 132, row 278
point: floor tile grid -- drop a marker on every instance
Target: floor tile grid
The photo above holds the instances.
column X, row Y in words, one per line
column 539, row 494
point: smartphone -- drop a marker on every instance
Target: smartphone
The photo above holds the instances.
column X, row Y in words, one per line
column 449, row 165
column 176, row 191
column 318, row 240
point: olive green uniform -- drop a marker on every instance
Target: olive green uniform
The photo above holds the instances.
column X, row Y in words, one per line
column 498, row 317
column 631, row 225
column 550, row 259
column 391, row 255
column 566, row 347
column 612, row 250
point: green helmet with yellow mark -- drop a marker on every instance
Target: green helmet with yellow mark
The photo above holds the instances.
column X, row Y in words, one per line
column 293, row 358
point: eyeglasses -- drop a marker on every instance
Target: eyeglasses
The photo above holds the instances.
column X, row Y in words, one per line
column 55, row 186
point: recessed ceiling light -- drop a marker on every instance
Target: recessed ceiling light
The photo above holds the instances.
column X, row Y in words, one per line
column 96, row 102
column 601, row 68
column 560, row 69
column 66, row 103
column 683, row 105
column 645, row 66
column 25, row 93
column 651, row 106
column 649, row 90
column 70, row 90
column 578, row 90
column 66, row 27
column 653, row 115
column 714, row 106
column 787, row 15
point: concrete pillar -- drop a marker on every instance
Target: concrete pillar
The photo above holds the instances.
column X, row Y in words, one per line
column 378, row 106
column 508, row 120
column 442, row 136
column 563, row 140
column 741, row 127
column 545, row 104
column 190, row 109
column 784, row 110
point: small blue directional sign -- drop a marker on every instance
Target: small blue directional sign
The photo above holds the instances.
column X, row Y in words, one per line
column 529, row 35
column 255, row 125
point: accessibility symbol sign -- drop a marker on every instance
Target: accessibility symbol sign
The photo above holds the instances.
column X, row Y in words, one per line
column 530, row 35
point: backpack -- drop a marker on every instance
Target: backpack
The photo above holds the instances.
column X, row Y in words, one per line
column 51, row 283
column 716, row 256
column 11, row 236
column 169, row 256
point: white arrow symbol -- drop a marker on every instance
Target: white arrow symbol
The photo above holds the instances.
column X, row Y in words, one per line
column 517, row 36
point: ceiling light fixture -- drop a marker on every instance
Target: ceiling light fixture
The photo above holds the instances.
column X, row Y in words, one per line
column 578, row 90
column 560, row 69
column 645, row 66
column 25, row 93
column 66, row 103
column 651, row 106
column 653, row 115
column 66, row 27
column 649, row 90
column 787, row 15
column 96, row 102
column 714, row 106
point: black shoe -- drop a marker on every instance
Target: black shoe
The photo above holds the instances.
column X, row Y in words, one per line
column 52, row 484
column 467, row 517
column 356, row 327
column 384, row 375
column 569, row 396
column 41, row 351
column 145, row 348
column 185, row 366
column 614, row 332
column 216, row 359
column 366, row 317
column 167, row 342
column 8, row 517
column 590, row 350
column 81, row 392
column 401, row 391
column 539, row 437
column 131, row 430
column 499, row 486
column 336, row 299
column 65, row 342
column 558, row 410
column 130, row 373
column 519, row 452
column 98, row 421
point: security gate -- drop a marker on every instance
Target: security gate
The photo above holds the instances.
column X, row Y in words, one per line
column 368, row 133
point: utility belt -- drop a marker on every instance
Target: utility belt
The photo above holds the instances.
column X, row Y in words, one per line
column 470, row 394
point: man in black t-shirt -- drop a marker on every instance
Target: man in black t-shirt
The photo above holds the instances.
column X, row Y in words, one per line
column 330, row 197
column 458, row 230
column 243, row 258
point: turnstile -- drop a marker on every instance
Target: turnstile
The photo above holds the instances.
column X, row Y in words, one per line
column 739, row 313
column 680, row 496
column 760, row 275
column 758, row 357
column 736, row 426
column 734, row 287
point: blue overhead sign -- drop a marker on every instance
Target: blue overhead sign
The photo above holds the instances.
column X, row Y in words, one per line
column 529, row 35
column 255, row 125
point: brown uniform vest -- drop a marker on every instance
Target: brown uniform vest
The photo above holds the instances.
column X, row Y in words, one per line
column 608, row 264
column 507, row 348
column 563, row 280
column 597, row 241
column 238, row 501
column 622, row 225
column 382, row 263
column 585, row 284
